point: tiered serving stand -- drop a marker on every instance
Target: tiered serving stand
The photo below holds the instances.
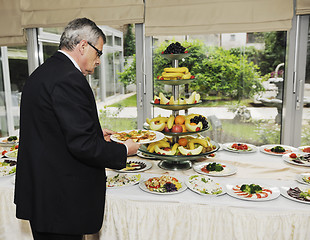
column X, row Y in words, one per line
column 177, row 162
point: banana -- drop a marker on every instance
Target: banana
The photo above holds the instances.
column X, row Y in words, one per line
column 172, row 75
column 159, row 119
column 170, row 122
column 187, row 76
column 200, row 141
column 176, row 70
column 164, row 152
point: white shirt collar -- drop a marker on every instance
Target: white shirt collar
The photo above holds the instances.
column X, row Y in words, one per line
column 71, row 58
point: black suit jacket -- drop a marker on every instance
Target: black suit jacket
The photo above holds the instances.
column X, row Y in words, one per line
column 60, row 177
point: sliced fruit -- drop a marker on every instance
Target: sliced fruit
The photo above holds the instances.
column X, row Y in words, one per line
column 171, row 101
column 195, row 151
column 163, row 99
column 170, row 121
column 200, row 141
column 160, row 144
column 164, row 152
column 194, row 127
column 157, row 126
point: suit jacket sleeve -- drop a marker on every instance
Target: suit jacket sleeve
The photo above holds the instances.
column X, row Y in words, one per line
column 75, row 109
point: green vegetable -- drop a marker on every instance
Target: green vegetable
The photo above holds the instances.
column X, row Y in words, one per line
column 278, row 149
column 252, row 188
column 214, row 167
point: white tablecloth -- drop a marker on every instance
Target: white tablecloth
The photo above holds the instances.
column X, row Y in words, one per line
column 131, row 213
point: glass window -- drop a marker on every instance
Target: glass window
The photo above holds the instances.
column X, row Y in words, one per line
column 49, row 49
column 240, row 83
column 3, row 115
column 305, row 131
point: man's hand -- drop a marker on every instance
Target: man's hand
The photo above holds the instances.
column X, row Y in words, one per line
column 107, row 134
column 131, row 146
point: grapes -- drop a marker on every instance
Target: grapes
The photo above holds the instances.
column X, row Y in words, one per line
column 170, row 187
column 201, row 119
column 174, row 48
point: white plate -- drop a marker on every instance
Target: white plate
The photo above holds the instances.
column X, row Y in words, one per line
column 284, row 193
column 303, row 147
column 8, row 144
column 299, row 178
column 228, row 170
column 143, row 155
column 147, row 165
column 203, row 184
column 288, row 159
column 251, row 148
column 12, row 154
column 144, row 188
column 134, row 179
column 159, row 136
column 288, row 149
column 7, row 168
column 275, row 192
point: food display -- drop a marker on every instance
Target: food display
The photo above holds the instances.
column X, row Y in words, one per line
column 171, row 103
column 11, row 154
column 215, row 169
column 277, row 150
column 140, row 136
column 192, row 123
column 175, row 74
column 186, row 146
column 136, row 166
column 239, row 147
column 204, row 185
column 7, row 167
column 297, row 158
column 164, row 184
column 253, row 192
column 122, row 180
column 175, row 48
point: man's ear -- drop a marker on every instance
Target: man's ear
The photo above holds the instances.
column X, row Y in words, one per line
column 82, row 46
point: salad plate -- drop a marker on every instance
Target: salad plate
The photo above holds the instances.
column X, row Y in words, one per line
column 8, row 141
column 271, row 148
column 305, row 149
column 297, row 158
column 135, row 166
column 226, row 169
column 163, row 185
column 204, row 186
column 7, row 167
column 293, row 193
column 267, row 192
column 303, row 178
column 12, row 154
column 239, row 147
column 118, row 180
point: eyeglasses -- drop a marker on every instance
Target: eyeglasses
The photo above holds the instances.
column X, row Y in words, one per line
column 99, row 53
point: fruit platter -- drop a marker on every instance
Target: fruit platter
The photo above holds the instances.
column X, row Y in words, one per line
column 179, row 146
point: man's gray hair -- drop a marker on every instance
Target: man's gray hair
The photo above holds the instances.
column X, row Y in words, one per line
column 80, row 29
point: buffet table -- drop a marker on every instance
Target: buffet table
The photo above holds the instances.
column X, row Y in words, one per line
column 135, row 214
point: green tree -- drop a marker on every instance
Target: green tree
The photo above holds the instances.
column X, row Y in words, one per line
column 129, row 42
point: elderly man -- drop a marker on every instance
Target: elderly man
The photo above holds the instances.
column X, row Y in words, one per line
column 63, row 152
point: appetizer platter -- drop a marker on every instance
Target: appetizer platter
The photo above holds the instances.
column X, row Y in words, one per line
column 297, row 158
column 239, row 147
column 297, row 193
column 204, row 186
column 253, row 192
column 139, row 136
column 277, row 149
column 122, row 180
column 9, row 141
column 215, row 169
column 303, row 178
column 135, row 166
column 305, row 149
column 163, row 184
column 7, row 167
